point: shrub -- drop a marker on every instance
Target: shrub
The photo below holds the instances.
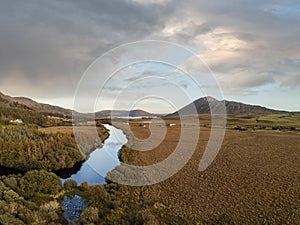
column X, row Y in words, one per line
column 69, row 184
column 89, row 215
column 39, row 182
column 142, row 218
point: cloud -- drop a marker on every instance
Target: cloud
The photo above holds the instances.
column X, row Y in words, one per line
column 242, row 34
column 147, row 2
column 45, row 46
column 48, row 45
column 291, row 81
column 245, row 79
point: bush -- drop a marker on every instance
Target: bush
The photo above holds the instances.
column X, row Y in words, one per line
column 39, row 182
column 89, row 215
column 142, row 218
column 84, row 186
column 25, row 148
column 69, row 184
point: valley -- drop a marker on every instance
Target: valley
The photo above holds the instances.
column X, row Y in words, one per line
column 253, row 180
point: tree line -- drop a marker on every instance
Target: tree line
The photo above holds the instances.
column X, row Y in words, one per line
column 25, row 148
column 12, row 112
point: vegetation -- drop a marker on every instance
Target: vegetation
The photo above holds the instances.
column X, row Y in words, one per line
column 117, row 204
column 252, row 181
column 17, row 111
column 34, row 183
column 284, row 119
column 85, row 135
column 288, row 122
column 69, row 184
column 29, row 199
column 25, row 148
column 36, row 198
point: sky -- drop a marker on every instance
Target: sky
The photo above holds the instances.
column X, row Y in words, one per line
column 243, row 50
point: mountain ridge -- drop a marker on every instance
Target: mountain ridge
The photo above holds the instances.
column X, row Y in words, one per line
column 27, row 103
column 204, row 105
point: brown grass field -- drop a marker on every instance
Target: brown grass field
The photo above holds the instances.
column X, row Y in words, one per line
column 255, row 178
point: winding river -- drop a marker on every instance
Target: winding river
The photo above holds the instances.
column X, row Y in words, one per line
column 102, row 160
column 93, row 170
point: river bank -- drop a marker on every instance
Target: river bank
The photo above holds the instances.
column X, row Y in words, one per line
column 101, row 160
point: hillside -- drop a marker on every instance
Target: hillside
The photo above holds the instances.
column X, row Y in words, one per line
column 26, row 103
column 123, row 113
column 233, row 108
column 24, row 143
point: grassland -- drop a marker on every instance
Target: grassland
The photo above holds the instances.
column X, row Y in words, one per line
column 283, row 122
column 255, row 178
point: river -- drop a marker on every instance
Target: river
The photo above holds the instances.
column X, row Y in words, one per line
column 93, row 170
column 101, row 160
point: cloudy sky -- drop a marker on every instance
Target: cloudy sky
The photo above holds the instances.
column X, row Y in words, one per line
column 251, row 47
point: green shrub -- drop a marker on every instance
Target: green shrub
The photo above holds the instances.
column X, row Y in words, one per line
column 37, row 182
column 70, row 184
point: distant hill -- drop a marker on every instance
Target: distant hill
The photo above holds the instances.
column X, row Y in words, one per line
column 27, row 103
column 51, row 110
column 203, row 105
column 123, row 113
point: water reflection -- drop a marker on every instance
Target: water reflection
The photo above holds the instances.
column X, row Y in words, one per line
column 102, row 160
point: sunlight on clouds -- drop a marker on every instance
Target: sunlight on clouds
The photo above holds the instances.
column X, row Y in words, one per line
column 181, row 29
column 222, row 39
column 221, row 46
column 231, row 62
column 176, row 26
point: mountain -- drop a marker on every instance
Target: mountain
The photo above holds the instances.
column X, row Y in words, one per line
column 123, row 113
column 27, row 103
column 46, row 109
column 203, row 105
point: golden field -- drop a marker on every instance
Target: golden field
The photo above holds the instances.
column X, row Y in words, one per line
column 255, row 178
